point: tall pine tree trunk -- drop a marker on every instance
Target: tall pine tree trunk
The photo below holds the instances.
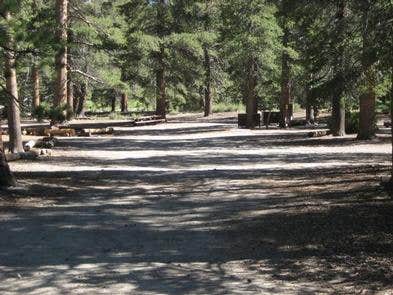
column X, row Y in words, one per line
column 391, row 116
column 338, row 100
column 161, row 88
column 36, row 87
column 367, row 112
column 367, row 98
column 124, row 102
column 61, row 56
column 285, row 99
column 14, row 127
column 208, row 97
column 251, row 103
column 161, row 103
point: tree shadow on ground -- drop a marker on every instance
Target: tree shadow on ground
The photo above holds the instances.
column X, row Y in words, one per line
column 320, row 237
column 278, row 230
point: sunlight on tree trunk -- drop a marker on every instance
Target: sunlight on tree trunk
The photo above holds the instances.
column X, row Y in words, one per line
column 36, row 87
column 14, row 127
column 61, row 56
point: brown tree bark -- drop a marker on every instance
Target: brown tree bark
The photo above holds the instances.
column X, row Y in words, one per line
column 391, row 116
column 367, row 98
column 285, row 98
column 13, row 111
column 61, row 56
column 7, row 179
column 338, row 100
column 208, row 110
column 36, row 87
column 161, row 103
column 251, row 103
column 161, row 100
column 124, row 102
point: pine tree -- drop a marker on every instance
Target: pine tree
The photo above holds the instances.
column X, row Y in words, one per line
column 14, row 127
column 251, row 37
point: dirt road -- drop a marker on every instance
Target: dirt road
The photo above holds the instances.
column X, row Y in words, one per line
column 200, row 208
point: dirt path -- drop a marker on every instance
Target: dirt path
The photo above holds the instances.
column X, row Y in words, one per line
column 200, row 208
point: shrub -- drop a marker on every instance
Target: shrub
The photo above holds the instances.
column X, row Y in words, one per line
column 42, row 112
column 58, row 114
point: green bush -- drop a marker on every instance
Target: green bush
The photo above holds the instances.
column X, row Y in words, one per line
column 58, row 114
column 42, row 112
column 55, row 114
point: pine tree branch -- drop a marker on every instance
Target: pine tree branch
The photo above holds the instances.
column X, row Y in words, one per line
column 95, row 79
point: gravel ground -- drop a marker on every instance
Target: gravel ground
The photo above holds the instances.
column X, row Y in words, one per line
column 198, row 206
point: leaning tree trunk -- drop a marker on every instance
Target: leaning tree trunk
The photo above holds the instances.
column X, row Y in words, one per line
column 14, row 127
column 7, row 179
column 61, row 56
column 36, row 87
column 208, row 97
column 251, row 103
column 367, row 98
column 338, row 100
column 124, row 102
column 285, row 98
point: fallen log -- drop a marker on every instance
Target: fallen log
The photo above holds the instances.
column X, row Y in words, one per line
column 149, row 122
column 99, row 125
column 65, row 132
column 94, row 131
column 34, row 131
